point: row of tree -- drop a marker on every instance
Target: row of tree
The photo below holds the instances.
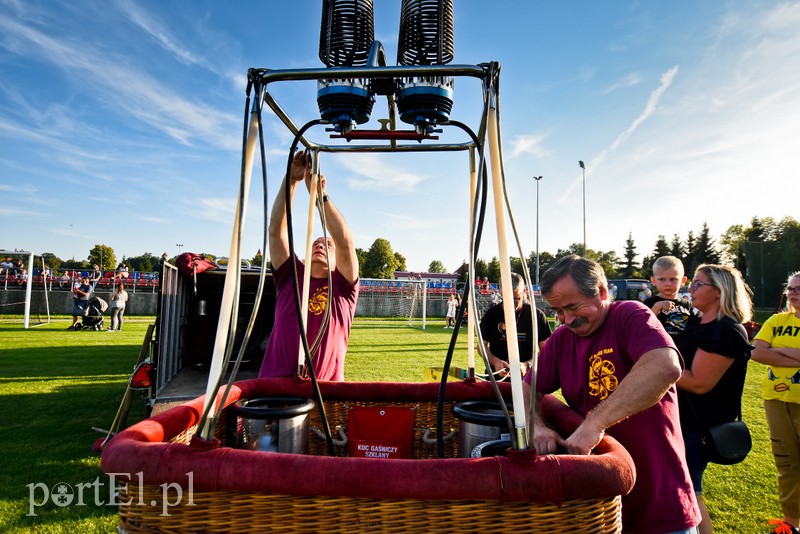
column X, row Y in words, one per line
column 101, row 255
column 766, row 252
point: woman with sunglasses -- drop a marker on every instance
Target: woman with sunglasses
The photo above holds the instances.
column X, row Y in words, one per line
column 778, row 346
column 715, row 350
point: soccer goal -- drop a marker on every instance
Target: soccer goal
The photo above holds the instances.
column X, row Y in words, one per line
column 24, row 293
column 395, row 298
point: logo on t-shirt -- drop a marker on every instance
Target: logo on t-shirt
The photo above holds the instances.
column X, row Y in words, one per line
column 318, row 301
column 787, row 330
column 602, row 380
column 501, row 328
column 783, row 384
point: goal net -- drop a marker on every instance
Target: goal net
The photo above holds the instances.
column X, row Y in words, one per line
column 25, row 292
column 394, row 298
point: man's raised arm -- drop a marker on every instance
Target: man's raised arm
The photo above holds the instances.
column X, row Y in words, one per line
column 346, row 259
column 278, row 228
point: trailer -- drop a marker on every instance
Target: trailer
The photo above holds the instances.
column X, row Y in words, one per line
column 187, row 314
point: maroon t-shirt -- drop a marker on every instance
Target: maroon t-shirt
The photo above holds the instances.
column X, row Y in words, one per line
column 588, row 370
column 281, row 356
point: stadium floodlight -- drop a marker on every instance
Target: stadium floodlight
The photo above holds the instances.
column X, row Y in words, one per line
column 537, row 178
column 583, row 168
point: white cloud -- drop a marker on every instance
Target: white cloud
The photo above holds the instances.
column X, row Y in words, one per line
column 154, row 28
column 217, row 209
column 376, row 174
column 628, row 81
column 147, row 100
column 649, row 108
column 19, row 212
column 410, row 223
column 529, row 144
column 24, row 189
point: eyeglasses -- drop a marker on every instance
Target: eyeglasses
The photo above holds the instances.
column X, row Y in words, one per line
column 697, row 284
column 793, row 290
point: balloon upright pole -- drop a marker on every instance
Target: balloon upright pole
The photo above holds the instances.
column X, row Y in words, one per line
column 521, row 441
column 231, row 277
column 301, row 356
column 471, row 312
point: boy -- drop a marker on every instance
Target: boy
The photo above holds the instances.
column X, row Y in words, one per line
column 671, row 310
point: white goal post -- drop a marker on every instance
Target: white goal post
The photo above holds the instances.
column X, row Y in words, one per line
column 396, row 298
column 29, row 293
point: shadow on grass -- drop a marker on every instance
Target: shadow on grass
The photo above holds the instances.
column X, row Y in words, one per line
column 48, row 441
column 67, row 362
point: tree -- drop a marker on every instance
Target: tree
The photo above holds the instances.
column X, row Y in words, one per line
column 361, row 254
column 705, row 249
column 545, row 261
column 493, row 270
column 145, row 263
column 732, row 251
column 463, row 271
column 676, row 247
column 662, row 247
column 52, row 261
column 608, row 261
column 258, row 259
column 771, row 253
column 436, row 266
column 400, row 262
column 516, row 266
column 629, row 269
column 380, row 261
column 689, row 261
column 789, row 237
column 575, row 248
column 103, row 255
column 481, row 269
column 72, row 263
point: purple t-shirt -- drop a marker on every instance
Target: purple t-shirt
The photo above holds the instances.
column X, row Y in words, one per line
column 588, row 370
column 281, row 356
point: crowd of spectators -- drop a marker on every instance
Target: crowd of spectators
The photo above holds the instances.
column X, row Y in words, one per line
column 15, row 274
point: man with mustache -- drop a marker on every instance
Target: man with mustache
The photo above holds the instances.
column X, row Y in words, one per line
column 334, row 257
column 617, row 366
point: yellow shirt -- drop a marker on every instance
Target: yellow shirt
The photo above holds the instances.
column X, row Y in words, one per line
column 782, row 330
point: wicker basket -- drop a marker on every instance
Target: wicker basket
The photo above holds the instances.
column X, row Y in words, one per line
column 236, row 512
column 186, row 488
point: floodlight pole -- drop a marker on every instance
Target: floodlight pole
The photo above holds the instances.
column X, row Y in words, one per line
column 583, row 168
column 537, row 178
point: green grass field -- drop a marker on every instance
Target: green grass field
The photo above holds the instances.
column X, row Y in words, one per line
column 55, row 385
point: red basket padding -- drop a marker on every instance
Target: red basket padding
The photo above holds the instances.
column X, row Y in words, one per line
column 140, row 451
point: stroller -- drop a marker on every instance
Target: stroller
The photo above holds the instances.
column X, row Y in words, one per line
column 93, row 315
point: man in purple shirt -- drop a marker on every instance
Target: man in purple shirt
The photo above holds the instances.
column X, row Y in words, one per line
column 340, row 261
column 616, row 366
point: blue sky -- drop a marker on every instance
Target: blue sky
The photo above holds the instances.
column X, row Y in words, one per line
column 120, row 123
